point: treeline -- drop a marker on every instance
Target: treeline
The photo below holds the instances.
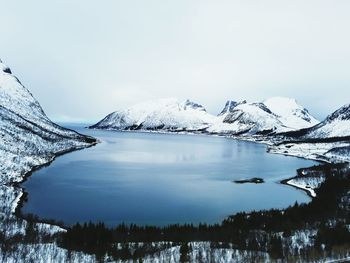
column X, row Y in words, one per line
column 252, row 231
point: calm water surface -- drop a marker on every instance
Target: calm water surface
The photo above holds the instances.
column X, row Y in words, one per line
column 160, row 179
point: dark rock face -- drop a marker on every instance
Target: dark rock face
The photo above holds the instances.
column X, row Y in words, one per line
column 230, row 106
column 193, row 105
column 263, row 107
column 7, row 70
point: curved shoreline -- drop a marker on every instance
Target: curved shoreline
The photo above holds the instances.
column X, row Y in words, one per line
column 19, row 203
column 23, row 194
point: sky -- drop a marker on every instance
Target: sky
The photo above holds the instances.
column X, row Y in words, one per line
column 84, row 59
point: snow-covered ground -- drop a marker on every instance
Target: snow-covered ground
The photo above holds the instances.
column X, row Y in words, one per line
column 329, row 152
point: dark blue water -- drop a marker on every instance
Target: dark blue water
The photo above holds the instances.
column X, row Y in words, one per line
column 160, row 179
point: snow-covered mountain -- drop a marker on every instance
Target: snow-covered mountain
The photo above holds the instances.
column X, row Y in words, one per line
column 162, row 114
column 274, row 115
column 28, row 137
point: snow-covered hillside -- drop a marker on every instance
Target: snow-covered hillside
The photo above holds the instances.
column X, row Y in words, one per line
column 236, row 118
column 163, row 114
column 28, row 137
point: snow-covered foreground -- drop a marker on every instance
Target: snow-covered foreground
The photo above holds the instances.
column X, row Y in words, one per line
column 199, row 252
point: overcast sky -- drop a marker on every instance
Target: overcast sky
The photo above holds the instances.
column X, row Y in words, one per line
column 84, row 59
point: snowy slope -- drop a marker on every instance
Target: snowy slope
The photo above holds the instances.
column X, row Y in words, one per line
column 163, row 114
column 335, row 125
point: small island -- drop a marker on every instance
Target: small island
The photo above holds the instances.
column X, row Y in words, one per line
column 254, row 180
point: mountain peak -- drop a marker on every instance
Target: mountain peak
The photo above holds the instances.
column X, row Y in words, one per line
column 4, row 68
column 290, row 112
column 341, row 114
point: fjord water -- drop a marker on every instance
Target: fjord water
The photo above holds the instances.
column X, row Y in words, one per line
column 160, row 179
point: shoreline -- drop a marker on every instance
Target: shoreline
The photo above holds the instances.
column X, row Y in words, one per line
column 310, row 192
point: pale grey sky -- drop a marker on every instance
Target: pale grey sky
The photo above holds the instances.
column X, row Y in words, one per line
column 84, row 59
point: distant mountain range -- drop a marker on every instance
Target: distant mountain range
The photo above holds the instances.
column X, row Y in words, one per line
column 286, row 126
column 237, row 118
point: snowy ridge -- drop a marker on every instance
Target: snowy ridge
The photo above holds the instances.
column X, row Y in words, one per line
column 236, row 118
